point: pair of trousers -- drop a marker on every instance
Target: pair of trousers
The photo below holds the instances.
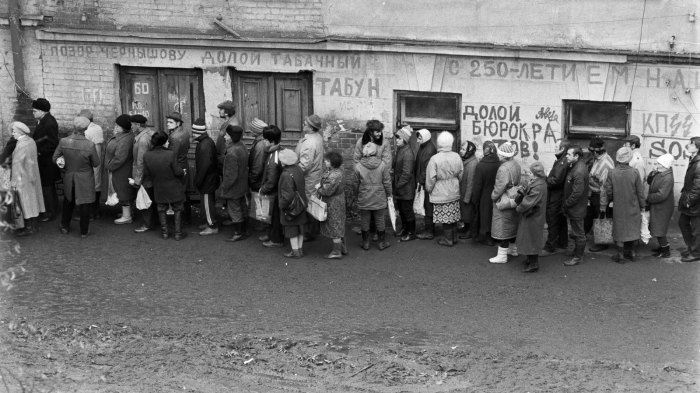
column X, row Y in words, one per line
column 405, row 209
column 50, row 199
column 208, row 209
column 376, row 216
column 577, row 230
column 83, row 209
column 148, row 215
column 176, row 206
column 557, row 230
column 690, row 229
column 276, row 231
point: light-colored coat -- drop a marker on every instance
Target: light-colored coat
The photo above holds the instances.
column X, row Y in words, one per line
column 372, row 184
column 310, row 152
column 442, row 176
column 504, row 224
column 624, row 187
column 96, row 135
column 142, row 144
column 25, row 177
column 532, row 210
column 81, row 157
column 661, row 202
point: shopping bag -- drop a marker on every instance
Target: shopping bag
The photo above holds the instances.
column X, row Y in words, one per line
column 10, row 210
column 112, row 199
column 646, row 235
column 602, row 231
column 317, row 208
column 260, row 206
column 418, row 201
column 143, row 201
column 392, row 212
column 5, row 176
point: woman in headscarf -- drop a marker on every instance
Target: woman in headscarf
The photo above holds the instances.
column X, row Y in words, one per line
column 25, row 178
column 504, row 226
column 442, row 178
column 484, row 179
column 624, row 186
column 660, row 203
column 119, row 156
column 532, row 207
column 426, row 151
column 291, row 186
column 404, row 185
column 466, row 189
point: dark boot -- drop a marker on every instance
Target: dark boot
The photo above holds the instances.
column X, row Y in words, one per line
column 533, row 264
column 664, row 251
column 238, row 234
column 163, row 219
column 447, row 238
column 466, row 233
column 410, row 232
column 383, row 243
column 336, row 253
column 628, row 253
column 365, row 240
column 179, row 234
column 578, row 255
column 428, row 231
column 29, row 228
column 343, row 247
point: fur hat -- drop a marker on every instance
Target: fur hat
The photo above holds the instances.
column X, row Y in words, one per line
column 257, row 125
column 19, row 126
column 369, row 150
column 445, row 140
column 124, row 121
column 624, row 155
column 288, row 157
column 141, row 119
column 425, row 134
column 175, row 116
column 314, row 121
column 86, row 113
column 506, row 150
column 404, row 133
column 665, row 160
column 537, row 169
column 199, row 127
column 41, row 104
column 489, row 145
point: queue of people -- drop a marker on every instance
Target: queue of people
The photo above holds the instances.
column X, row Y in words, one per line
column 492, row 200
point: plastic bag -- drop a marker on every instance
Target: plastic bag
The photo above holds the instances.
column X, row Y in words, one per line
column 392, row 212
column 260, row 207
column 143, row 201
column 112, row 199
column 646, row 235
column 418, row 201
column 602, row 231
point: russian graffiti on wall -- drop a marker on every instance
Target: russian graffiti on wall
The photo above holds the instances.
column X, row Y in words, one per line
column 668, row 132
column 230, row 57
column 117, row 52
column 501, row 124
column 349, row 87
column 92, row 96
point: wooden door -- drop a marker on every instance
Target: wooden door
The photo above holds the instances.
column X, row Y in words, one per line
column 139, row 88
column 251, row 97
column 292, row 105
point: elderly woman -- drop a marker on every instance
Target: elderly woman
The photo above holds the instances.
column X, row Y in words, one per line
column 291, row 186
column 77, row 156
column 660, row 202
column 332, row 191
column 484, row 180
column 25, row 178
column 160, row 166
column 466, row 190
column 442, row 178
column 118, row 162
column 405, row 184
column 624, row 186
column 268, row 186
column 372, row 185
column 532, row 207
column 504, row 226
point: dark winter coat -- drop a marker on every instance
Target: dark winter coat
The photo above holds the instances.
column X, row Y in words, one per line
column 660, row 201
column 484, row 180
column 272, row 170
column 532, row 210
column 179, row 143
column 234, row 183
column 160, row 166
column 624, row 187
column 119, row 156
column 46, row 138
column 425, row 152
column 256, row 163
column 504, row 224
column 466, row 184
column 576, row 191
column 291, row 183
column 689, row 202
column 372, row 184
column 81, row 157
column 557, row 179
column 404, row 174
column 207, row 170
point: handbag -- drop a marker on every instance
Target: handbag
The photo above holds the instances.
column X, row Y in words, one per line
column 11, row 210
column 602, row 231
column 143, row 201
column 297, row 206
column 318, row 208
column 418, row 201
column 507, row 199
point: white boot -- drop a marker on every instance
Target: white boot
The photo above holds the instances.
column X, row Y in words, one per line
column 126, row 216
column 512, row 250
column 501, row 257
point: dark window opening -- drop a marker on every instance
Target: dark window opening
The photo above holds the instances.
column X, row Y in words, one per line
column 590, row 118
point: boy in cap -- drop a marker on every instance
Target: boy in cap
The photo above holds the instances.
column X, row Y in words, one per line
column 142, row 144
column 46, row 138
column 206, row 175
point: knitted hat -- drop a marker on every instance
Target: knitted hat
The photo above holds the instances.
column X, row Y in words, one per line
column 199, row 127
column 665, row 160
column 141, row 119
column 257, row 125
column 86, row 113
column 506, row 150
column 235, row 132
column 537, row 169
column 425, row 134
column 445, row 140
column 404, row 133
column 175, row 116
column 19, row 126
column 41, row 104
column 288, row 157
column 624, row 155
column 124, row 121
column 228, row 106
column 314, row 121
column 369, row 150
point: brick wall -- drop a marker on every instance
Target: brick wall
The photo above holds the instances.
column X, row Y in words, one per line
column 7, row 91
column 249, row 18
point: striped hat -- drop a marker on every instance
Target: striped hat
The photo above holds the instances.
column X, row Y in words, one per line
column 506, row 150
column 257, row 125
column 199, row 126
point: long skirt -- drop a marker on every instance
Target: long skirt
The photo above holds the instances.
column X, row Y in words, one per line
column 446, row 213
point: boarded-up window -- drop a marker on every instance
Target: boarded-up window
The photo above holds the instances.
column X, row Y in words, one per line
column 591, row 118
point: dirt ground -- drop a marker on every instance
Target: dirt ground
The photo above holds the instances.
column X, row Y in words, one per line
column 121, row 312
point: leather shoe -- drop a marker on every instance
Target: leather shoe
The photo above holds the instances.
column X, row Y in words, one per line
column 271, row 244
column 142, row 229
column 690, row 258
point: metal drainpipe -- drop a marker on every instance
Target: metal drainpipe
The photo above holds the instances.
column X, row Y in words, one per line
column 23, row 109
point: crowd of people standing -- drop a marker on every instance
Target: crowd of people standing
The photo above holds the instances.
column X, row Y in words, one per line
column 492, row 200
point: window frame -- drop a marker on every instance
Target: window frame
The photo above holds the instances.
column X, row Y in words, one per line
column 399, row 100
column 583, row 132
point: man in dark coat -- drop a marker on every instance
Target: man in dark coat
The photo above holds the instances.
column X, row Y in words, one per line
column 557, row 230
column 142, row 144
column 206, row 175
column 179, row 143
column 576, row 201
column 689, row 204
column 405, row 184
column 234, row 183
column 46, row 139
column 484, row 180
column 426, row 150
column 257, row 155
